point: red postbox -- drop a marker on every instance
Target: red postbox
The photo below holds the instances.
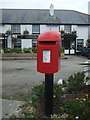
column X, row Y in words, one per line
column 48, row 52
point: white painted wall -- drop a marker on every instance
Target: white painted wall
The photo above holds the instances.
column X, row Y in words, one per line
column 28, row 27
column 82, row 33
column 4, row 28
column 44, row 28
column 26, row 43
column 89, row 31
column 61, row 27
column 52, row 27
column 74, row 28
column 1, row 29
column 9, row 42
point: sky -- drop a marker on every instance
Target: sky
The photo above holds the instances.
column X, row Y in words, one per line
column 78, row 5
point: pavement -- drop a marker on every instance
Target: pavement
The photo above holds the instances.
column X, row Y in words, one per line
column 10, row 107
column 17, row 58
column 23, row 58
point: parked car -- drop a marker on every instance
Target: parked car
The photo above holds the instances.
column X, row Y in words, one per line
column 86, row 51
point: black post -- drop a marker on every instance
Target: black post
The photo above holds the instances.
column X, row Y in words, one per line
column 48, row 94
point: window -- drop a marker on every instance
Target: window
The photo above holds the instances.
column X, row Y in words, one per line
column 16, row 29
column 80, row 43
column 35, row 28
column 67, row 28
column 89, row 32
column 17, row 43
column 34, row 42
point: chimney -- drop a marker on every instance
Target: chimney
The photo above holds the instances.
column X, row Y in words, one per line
column 51, row 10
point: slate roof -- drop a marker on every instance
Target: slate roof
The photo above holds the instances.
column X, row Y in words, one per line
column 42, row 16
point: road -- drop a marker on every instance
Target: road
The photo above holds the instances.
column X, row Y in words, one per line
column 19, row 75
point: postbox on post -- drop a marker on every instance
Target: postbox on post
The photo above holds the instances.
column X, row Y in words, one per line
column 48, row 62
column 48, row 52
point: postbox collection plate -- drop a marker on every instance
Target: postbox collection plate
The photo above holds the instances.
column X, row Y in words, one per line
column 46, row 56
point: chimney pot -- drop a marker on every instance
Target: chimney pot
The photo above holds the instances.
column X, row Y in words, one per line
column 51, row 10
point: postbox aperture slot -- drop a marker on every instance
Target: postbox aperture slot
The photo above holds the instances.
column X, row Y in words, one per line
column 47, row 42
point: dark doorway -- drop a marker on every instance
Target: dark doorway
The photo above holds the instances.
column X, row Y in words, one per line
column 69, row 41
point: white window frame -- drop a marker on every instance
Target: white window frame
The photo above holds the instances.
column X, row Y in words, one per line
column 36, row 29
column 67, row 28
column 16, row 28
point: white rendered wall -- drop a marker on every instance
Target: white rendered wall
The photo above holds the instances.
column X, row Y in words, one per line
column 4, row 28
column 74, row 28
column 82, row 33
column 52, row 27
column 26, row 43
column 61, row 27
column 9, row 42
column 44, row 28
column 28, row 27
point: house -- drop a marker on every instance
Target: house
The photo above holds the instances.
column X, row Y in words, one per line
column 20, row 28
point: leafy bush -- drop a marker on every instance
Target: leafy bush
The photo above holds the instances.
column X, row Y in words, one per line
column 12, row 50
column 38, row 93
column 8, row 32
column 75, row 82
column 19, row 50
column 78, row 107
column 6, row 50
column 65, row 106
column 62, row 31
column 27, row 50
column 34, row 49
column 15, row 50
column 26, row 32
column 56, row 117
column 57, row 91
column 62, row 49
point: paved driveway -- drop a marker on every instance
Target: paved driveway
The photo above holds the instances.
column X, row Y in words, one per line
column 19, row 75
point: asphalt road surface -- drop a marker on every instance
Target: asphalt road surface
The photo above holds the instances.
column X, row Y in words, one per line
column 19, row 75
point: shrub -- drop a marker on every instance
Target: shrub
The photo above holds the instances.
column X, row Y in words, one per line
column 62, row 31
column 74, row 32
column 62, row 49
column 2, row 34
column 19, row 50
column 78, row 107
column 34, row 49
column 12, row 50
column 38, row 93
column 67, row 106
column 27, row 50
column 75, row 82
column 7, row 50
column 8, row 32
column 26, row 32
column 55, row 116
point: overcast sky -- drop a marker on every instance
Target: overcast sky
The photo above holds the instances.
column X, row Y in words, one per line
column 78, row 5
